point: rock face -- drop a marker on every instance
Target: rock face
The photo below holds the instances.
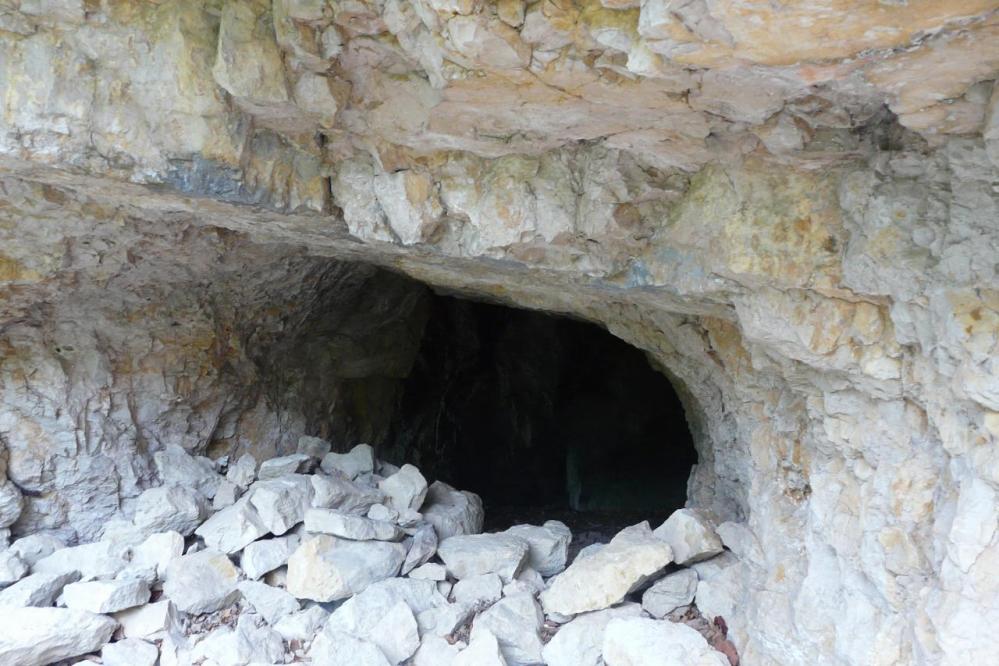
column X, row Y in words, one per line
column 789, row 206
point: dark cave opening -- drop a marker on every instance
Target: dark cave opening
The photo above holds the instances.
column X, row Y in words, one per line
column 544, row 417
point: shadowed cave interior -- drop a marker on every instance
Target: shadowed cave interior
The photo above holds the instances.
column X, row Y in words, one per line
column 545, row 417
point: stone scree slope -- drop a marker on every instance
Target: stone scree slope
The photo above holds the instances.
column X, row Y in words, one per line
column 790, row 207
column 341, row 559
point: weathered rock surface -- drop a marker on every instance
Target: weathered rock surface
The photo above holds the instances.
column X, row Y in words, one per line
column 48, row 635
column 452, row 512
column 516, row 623
column 580, row 641
column 201, row 582
column 359, row 460
column 344, row 525
column 476, row 554
column 669, row 593
column 691, row 535
column 548, row 545
column 39, row 589
column 105, row 596
column 325, row 568
column 644, row 642
column 603, row 579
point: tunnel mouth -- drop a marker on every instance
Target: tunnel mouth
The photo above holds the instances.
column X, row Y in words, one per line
column 545, row 417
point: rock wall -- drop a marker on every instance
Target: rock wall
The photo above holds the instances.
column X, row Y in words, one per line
column 792, row 209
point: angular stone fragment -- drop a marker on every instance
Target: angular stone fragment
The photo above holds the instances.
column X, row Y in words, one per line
column 669, row 593
column 177, row 467
column 105, row 596
column 34, row 547
column 202, row 582
column 549, row 545
column 40, row 589
column 11, row 503
column 130, row 652
column 325, row 568
column 478, row 591
column 406, row 489
column 516, row 623
column 271, row 603
column 92, row 560
column 314, row 447
column 359, row 460
column 422, row 546
column 233, row 528
column 251, row 641
column 430, row 571
column 474, row 554
column 275, row 467
column 435, row 651
column 483, row 651
column 580, row 641
column 356, row 528
column 644, row 642
column 48, row 635
column 261, row 557
column 339, row 649
column 452, row 512
column 158, row 550
column 302, row 625
column 394, row 631
column 281, row 502
column 691, row 534
column 337, row 492
column 147, row 620
column 603, row 579
column 170, row 508
column 243, row 472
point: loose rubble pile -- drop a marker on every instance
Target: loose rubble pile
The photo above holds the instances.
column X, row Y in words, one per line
column 342, row 560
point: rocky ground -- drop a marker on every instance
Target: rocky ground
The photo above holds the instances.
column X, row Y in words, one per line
column 338, row 559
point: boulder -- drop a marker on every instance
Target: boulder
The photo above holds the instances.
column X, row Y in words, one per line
column 271, row 603
column 429, row 571
column 302, row 625
column 249, row 642
column 339, row 649
column 201, row 582
column 261, row 557
column 105, row 596
column 691, row 534
column 603, row 579
column 406, row 489
column 669, row 593
column 40, row 589
column 580, row 641
column 34, row 547
column 157, row 551
column 338, row 492
column 479, row 591
column 130, row 652
column 170, row 508
column 48, row 635
column 359, row 460
column 548, row 545
column 243, row 472
column 233, row 528
column 281, row 502
column 639, row 641
column 148, row 620
column 275, row 467
column 344, row 525
column 101, row 559
column 12, row 568
column 435, row 651
column 474, row 554
column 483, row 651
column 452, row 512
column 422, row 546
column 516, row 623
column 325, row 568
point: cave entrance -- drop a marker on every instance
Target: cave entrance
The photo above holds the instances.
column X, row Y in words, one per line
column 544, row 417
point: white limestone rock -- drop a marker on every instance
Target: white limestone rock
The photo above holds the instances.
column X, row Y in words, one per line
column 338, row 492
column 225, row 495
column 382, row 512
column 479, row 591
column 281, row 501
column 738, row 538
column 157, row 551
column 250, row 641
column 148, row 620
column 105, row 596
column 340, row 649
column 579, row 642
column 282, row 466
column 516, row 623
column 691, row 534
column 302, row 625
column 644, row 642
column 92, row 560
column 435, row 651
column 359, row 460
column 243, row 472
column 721, row 589
column 528, row 580
column 34, row 547
column 474, row 554
column 201, row 582
column 49, row 635
column 271, row 603
column 325, row 568
column 603, row 579
column 170, row 508
column 421, row 547
column 266, row 555
column 314, row 447
column 233, row 528
column 176, row 467
column 356, row 528
column 39, row 589
column 483, row 651
column 452, row 512
column 548, row 545
column 130, row 652
column 11, row 503
column 670, row 592
column 429, row 571
column 12, row 568
column 406, row 489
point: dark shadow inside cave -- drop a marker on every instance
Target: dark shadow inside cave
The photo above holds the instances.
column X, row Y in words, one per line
column 544, row 417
